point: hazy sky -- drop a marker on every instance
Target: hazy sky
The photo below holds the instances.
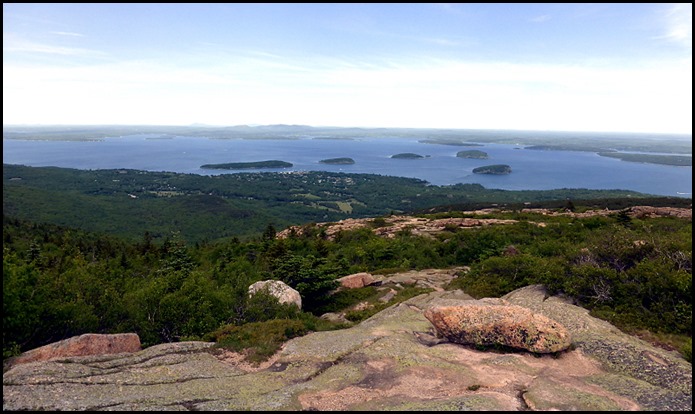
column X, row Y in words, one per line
column 574, row 67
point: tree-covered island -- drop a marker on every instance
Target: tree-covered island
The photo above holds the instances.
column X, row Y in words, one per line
column 474, row 154
column 498, row 169
column 407, row 156
column 338, row 161
column 247, row 165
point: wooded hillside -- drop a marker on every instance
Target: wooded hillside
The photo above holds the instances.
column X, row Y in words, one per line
column 60, row 282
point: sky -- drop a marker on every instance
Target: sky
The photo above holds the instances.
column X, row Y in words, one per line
column 553, row 67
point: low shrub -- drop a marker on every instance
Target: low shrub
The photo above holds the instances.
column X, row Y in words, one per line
column 258, row 340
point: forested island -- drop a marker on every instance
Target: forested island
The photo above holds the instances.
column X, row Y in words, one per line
column 247, row 165
column 473, row 154
column 407, row 156
column 338, row 161
column 496, row 169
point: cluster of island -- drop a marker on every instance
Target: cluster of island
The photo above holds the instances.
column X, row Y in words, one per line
column 497, row 169
column 664, row 149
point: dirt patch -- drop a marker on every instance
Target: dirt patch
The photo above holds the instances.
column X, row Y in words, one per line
column 238, row 360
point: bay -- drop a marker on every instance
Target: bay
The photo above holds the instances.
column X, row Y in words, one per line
column 531, row 169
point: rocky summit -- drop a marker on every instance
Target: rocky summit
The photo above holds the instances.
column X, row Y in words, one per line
column 391, row 361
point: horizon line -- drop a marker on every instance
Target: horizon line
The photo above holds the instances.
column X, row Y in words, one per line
column 254, row 125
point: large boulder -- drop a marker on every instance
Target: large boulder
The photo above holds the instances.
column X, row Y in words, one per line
column 278, row 289
column 356, row 280
column 83, row 345
column 497, row 322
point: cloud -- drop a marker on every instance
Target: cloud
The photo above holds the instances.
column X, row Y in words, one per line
column 678, row 24
column 31, row 47
column 265, row 89
column 540, row 19
column 68, row 34
column 15, row 44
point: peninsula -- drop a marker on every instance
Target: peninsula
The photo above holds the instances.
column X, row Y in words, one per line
column 247, row 165
column 677, row 160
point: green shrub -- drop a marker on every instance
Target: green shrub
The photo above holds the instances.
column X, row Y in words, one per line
column 378, row 222
column 390, row 270
column 346, row 298
column 310, row 276
column 475, row 245
column 262, row 306
column 496, row 276
column 257, row 340
column 687, row 350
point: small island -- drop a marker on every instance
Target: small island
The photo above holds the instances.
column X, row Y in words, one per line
column 338, row 161
column 497, row 169
column 474, row 154
column 407, row 156
column 246, row 165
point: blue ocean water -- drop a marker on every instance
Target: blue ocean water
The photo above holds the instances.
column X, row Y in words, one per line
column 531, row 169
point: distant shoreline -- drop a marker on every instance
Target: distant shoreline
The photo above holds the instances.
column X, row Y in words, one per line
column 186, row 154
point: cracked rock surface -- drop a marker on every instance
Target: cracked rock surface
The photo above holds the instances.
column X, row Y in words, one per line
column 391, row 361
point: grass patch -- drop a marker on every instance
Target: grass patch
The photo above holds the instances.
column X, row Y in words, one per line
column 308, row 196
column 344, row 206
column 258, row 340
column 671, row 342
column 346, row 298
column 390, row 270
